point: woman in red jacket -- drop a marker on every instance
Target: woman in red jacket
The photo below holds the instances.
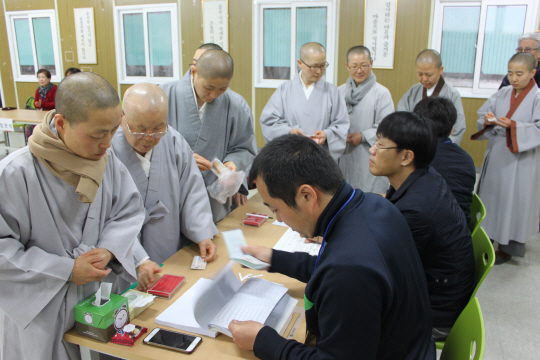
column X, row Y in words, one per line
column 46, row 92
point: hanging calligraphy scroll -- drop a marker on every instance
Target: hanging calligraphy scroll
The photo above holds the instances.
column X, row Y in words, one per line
column 86, row 35
column 380, row 31
column 216, row 22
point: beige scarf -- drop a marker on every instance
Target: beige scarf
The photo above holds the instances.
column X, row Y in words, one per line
column 84, row 174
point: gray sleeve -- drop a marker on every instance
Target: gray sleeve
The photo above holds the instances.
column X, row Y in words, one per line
column 403, row 104
column 273, row 122
column 460, row 125
column 383, row 108
column 336, row 132
column 196, row 216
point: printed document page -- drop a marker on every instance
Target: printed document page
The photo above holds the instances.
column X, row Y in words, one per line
column 291, row 241
column 200, row 303
column 255, row 300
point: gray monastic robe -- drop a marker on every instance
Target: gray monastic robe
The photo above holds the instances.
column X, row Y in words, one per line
column 508, row 184
column 365, row 117
column 288, row 108
column 174, row 195
column 43, row 228
column 226, row 131
column 414, row 95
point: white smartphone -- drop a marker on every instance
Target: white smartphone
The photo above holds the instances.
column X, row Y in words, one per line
column 172, row 340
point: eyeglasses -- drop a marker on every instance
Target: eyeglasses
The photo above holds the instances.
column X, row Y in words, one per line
column 315, row 68
column 355, row 68
column 526, row 49
column 377, row 147
column 140, row 136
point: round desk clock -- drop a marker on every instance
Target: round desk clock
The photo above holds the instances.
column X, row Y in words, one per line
column 121, row 317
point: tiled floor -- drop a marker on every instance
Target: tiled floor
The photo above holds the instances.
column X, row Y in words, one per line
column 510, row 302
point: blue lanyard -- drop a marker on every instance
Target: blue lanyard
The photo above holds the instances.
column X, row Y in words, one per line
column 323, row 245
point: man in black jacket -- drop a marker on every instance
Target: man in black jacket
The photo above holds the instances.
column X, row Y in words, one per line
column 406, row 144
column 452, row 162
column 366, row 296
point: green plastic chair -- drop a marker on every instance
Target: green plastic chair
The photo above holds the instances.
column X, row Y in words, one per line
column 30, row 103
column 467, row 338
column 484, row 258
column 478, row 213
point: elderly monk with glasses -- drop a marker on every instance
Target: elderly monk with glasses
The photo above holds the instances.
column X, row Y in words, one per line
column 161, row 162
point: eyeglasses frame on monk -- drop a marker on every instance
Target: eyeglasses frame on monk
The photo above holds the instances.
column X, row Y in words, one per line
column 315, row 68
column 361, row 67
column 525, row 49
column 141, row 136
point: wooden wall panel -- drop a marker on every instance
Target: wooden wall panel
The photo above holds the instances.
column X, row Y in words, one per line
column 351, row 33
column 104, row 25
column 262, row 96
column 192, row 32
column 20, row 5
column 412, row 35
column 240, row 25
column 6, row 72
column 123, row 88
column 142, row 2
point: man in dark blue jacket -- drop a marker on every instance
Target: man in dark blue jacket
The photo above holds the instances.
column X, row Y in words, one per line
column 406, row 144
column 452, row 162
column 366, row 296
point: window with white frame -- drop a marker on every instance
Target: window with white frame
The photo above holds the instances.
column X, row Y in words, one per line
column 33, row 44
column 282, row 27
column 477, row 38
column 147, row 43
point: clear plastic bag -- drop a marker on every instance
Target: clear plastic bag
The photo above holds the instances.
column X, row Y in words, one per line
column 227, row 183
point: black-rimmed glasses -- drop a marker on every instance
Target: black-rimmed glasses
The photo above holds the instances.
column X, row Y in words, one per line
column 318, row 67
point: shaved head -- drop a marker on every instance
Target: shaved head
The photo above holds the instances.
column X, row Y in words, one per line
column 144, row 97
column 210, row 46
column 80, row 93
column 429, row 56
column 358, row 50
column 215, row 64
column 145, row 112
column 311, row 48
column 203, row 48
column 524, row 58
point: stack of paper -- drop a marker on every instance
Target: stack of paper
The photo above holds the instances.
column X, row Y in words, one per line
column 210, row 305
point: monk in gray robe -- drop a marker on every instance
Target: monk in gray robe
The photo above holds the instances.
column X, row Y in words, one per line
column 429, row 70
column 239, row 199
column 69, row 213
column 211, row 119
column 164, row 169
column 308, row 105
column 368, row 102
column 508, row 184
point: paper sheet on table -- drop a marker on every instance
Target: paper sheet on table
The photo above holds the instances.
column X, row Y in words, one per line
column 291, row 241
column 234, row 240
column 280, row 223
